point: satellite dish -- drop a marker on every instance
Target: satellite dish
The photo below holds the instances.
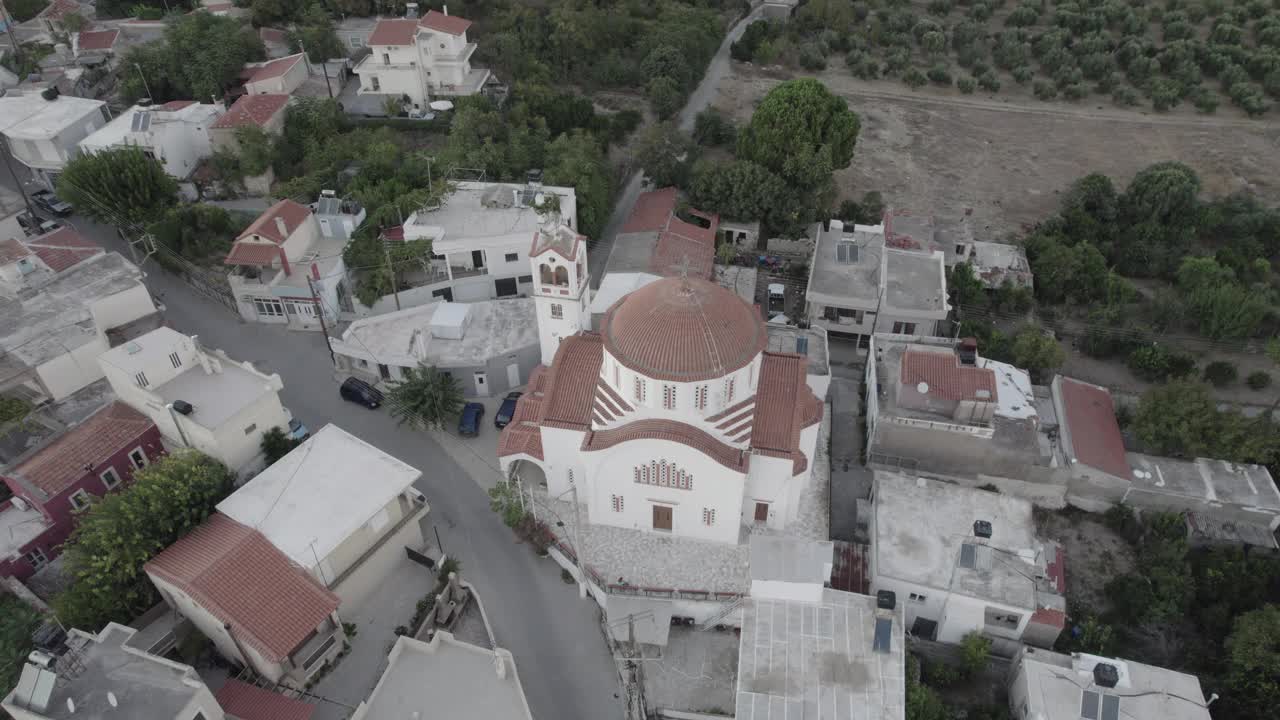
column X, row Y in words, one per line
column 923, row 388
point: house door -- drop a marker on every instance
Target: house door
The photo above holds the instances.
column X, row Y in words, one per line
column 477, row 258
column 513, row 375
column 661, row 517
column 762, row 512
column 482, row 384
column 384, row 372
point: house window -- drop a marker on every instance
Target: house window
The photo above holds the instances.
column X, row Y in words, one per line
column 557, row 311
column 138, row 458
column 904, row 328
column 251, row 428
column 728, row 390
column 663, row 474
column 617, row 375
column 917, row 597
column 700, row 397
column 386, row 58
column 79, row 500
column 639, row 389
column 669, row 397
column 525, row 279
column 374, row 84
column 511, row 257
column 831, row 314
column 173, row 358
column 37, row 558
column 708, row 516
column 141, row 379
column 355, row 41
column 617, row 503
column 110, row 478
column 268, row 307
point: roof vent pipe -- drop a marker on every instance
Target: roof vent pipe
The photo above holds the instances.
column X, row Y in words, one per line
column 499, row 665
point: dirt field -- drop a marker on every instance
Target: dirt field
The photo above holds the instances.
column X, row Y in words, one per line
column 1095, row 555
column 1008, row 159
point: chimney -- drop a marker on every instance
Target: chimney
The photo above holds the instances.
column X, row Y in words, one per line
column 446, row 9
column 411, row 11
column 281, row 227
column 205, row 365
column 499, row 665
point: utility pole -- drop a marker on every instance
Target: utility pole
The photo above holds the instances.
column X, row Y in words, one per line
column 579, row 550
column 144, row 81
column 8, row 163
column 315, row 298
column 386, row 249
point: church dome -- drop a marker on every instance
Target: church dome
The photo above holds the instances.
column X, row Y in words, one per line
column 683, row 330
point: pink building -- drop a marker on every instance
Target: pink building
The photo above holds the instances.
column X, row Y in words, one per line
column 57, row 480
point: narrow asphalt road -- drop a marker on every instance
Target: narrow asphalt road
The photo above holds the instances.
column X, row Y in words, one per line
column 564, row 664
column 699, row 100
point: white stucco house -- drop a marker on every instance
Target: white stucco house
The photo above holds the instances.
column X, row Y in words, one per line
column 280, row 76
column 198, row 398
column 53, row 330
column 965, row 560
column 304, row 505
column 175, row 133
column 1054, row 686
column 43, row 134
column 286, row 271
column 420, row 59
column 674, row 418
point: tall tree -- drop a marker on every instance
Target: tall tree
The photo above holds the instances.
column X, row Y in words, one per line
column 1253, row 664
column 121, row 532
column 119, row 186
column 17, row 622
column 315, row 32
column 200, row 58
column 576, row 159
column 740, row 190
column 802, row 132
column 665, row 153
column 425, row 398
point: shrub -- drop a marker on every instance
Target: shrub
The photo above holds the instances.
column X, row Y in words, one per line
column 1221, row 373
column 975, row 653
column 939, row 7
column 1124, row 96
column 1023, row 74
column 939, row 75
column 811, row 58
column 1023, row 16
column 967, row 85
column 914, row 78
column 1045, row 90
column 989, row 82
column 1205, row 101
column 1259, row 380
column 1075, row 91
column 1157, row 363
column 980, row 12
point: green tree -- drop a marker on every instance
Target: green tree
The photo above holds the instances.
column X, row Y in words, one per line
column 712, row 128
column 966, row 288
column 24, row 10
column 256, row 148
column 1178, row 418
column 121, row 532
column 975, row 653
column 13, row 409
column 922, row 702
column 1038, row 352
column 17, row 622
column 577, row 159
column 198, row 232
column 666, row 61
column 276, row 444
column 315, row 32
column 73, row 22
column 425, row 398
column 1253, row 663
column 119, row 186
column 801, row 132
column 200, row 57
column 740, row 190
column 664, row 95
column 665, row 154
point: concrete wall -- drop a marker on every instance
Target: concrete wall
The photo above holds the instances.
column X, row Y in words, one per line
column 348, row 552
column 238, row 449
column 369, row 576
column 283, row 84
column 71, row 371
column 122, row 308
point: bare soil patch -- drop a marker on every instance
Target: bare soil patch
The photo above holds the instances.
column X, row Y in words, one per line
column 1095, row 554
column 940, row 152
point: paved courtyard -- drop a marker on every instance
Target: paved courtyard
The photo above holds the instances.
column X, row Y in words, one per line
column 697, row 671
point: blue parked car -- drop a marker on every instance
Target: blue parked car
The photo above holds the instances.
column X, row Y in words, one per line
column 298, row 431
column 507, row 410
column 469, row 423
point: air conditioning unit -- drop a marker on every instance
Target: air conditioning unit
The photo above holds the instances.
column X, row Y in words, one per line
column 20, row 504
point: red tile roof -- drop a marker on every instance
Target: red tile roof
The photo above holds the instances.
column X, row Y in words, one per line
column 252, row 253
column 235, row 573
column 652, row 211
column 272, row 35
column 250, row 702
column 395, row 234
column 521, row 438
column 1049, row 616
column 175, row 105
column 252, row 110
column 683, row 329
column 293, row 214
column 785, row 405
column 98, row 39
column 451, row 24
column 946, row 377
column 682, row 247
column 58, row 9
column 571, row 382
column 59, row 464
column 671, row 431
column 275, row 68
column 679, row 255
column 393, row 32
column 63, row 248
column 12, row 250
column 1095, row 434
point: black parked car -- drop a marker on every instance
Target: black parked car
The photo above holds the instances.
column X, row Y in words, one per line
column 358, row 391
column 507, row 410
column 469, row 423
column 51, row 203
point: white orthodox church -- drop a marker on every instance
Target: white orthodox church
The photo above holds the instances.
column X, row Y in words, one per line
column 671, row 416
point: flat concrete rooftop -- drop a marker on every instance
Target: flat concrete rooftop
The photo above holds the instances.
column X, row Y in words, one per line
column 493, row 328
column 782, row 338
column 19, row 527
column 1204, row 479
column 851, row 274
column 922, row 526
column 1056, row 683
column 916, row 282
column 818, row 660
column 487, row 209
column 216, row 396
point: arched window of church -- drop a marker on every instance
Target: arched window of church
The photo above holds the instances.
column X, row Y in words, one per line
column 728, row 390
column 562, row 276
column 617, row 375
column 653, row 471
column 639, row 389
column 700, row 397
column 638, row 474
column 669, row 397
column 545, row 274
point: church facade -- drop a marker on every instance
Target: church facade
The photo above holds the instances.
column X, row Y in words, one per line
column 671, row 416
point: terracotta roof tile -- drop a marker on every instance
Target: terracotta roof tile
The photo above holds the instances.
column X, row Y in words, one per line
column 62, row 462
column 236, row 574
column 275, row 68
column 393, row 32
column 272, row 35
column 63, row 248
column 250, row 702
column 781, row 385
column 176, row 105
column 395, row 234
column 1049, row 616
column 520, row 438
column 252, row 253
column 1095, row 434
column 98, row 39
column 671, row 431
column 946, row 377
column 451, row 24
column 58, row 9
column 293, row 214
column 12, row 250
column 571, row 383
column 679, row 255
column 683, row 329
column 651, row 212
column 252, row 110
